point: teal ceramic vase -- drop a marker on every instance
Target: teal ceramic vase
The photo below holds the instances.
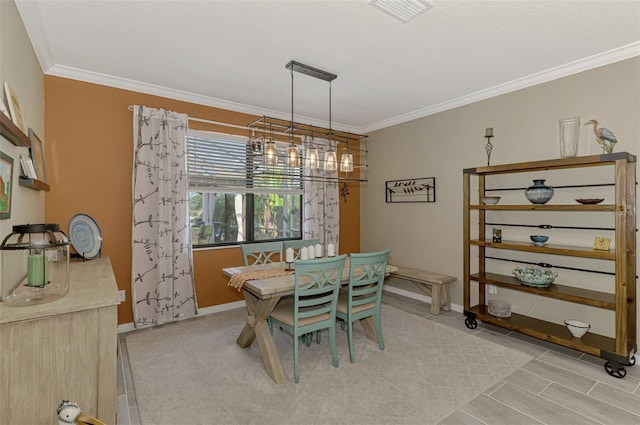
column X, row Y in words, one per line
column 539, row 193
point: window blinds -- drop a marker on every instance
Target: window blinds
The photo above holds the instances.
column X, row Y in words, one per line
column 219, row 163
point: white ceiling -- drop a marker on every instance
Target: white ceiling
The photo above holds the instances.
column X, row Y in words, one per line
column 233, row 54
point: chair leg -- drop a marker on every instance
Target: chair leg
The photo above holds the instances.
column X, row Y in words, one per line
column 318, row 337
column 342, row 324
column 332, row 343
column 296, row 368
column 352, row 354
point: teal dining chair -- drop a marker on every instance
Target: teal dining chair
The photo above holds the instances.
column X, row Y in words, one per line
column 313, row 306
column 261, row 253
column 297, row 244
column 361, row 299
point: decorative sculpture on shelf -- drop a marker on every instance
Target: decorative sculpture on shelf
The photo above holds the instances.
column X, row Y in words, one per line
column 604, row 136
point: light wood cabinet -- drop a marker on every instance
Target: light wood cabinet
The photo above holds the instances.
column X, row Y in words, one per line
column 62, row 350
column 617, row 350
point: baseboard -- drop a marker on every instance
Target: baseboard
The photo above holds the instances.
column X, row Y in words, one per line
column 416, row 296
column 127, row 327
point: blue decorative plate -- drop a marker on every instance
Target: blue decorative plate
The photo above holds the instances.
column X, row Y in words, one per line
column 85, row 236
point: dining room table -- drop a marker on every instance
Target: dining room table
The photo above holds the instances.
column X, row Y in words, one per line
column 263, row 286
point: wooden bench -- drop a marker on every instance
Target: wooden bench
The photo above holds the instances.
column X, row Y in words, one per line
column 435, row 285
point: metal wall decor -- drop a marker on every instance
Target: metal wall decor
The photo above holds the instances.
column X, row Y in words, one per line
column 411, row 190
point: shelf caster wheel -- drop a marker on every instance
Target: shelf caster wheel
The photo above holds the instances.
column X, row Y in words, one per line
column 471, row 323
column 632, row 361
column 615, row 370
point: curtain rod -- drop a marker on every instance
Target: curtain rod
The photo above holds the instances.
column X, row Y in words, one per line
column 226, row 124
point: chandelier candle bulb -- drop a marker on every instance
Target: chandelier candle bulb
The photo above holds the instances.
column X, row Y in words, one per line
column 304, row 253
column 319, row 251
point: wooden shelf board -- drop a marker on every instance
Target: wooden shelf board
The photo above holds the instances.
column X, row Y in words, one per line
column 561, row 292
column 552, row 164
column 34, row 184
column 558, row 334
column 570, row 250
column 548, row 207
column 12, row 133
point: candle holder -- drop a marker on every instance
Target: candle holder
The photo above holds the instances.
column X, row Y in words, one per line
column 488, row 147
column 35, row 268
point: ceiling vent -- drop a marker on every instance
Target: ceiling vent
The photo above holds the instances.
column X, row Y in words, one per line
column 403, row 10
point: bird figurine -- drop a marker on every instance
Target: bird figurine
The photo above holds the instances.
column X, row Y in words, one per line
column 70, row 413
column 604, row 136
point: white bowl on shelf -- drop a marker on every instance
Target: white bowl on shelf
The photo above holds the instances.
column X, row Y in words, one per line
column 490, row 200
column 577, row 328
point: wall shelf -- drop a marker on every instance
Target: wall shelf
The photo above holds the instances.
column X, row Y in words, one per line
column 34, row 184
column 12, row 133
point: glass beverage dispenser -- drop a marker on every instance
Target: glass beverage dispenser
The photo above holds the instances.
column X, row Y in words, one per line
column 35, row 265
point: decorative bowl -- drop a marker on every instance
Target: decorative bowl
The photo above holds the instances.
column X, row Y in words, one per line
column 577, row 328
column 490, row 200
column 539, row 240
column 536, row 277
column 590, row 201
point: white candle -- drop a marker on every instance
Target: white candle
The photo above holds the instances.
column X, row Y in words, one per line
column 319, row 251
column 312, row 252
column 488, row 132
column 304, row 254
column 289, row 256
column 331, row 250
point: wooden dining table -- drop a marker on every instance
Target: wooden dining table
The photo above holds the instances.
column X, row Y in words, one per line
column 261, row 296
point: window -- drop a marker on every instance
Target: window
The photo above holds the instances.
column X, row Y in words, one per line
column 234, row 198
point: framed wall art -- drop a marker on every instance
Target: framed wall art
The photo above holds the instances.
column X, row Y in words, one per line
column 411, row 190
column 6, row 183
column 14, row 107
column 37, row 155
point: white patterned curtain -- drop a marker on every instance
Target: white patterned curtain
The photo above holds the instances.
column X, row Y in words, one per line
column 321, row 213
column 162, row 266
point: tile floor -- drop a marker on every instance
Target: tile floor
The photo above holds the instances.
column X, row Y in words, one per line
column 559, row 386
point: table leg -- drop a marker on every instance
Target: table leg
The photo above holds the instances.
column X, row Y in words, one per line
column 257, row 328
column 369, row 327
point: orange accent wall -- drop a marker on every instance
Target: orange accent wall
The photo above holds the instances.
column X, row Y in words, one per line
column 89, row 157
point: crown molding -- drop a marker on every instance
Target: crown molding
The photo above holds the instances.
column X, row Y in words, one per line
column 152, row 89
column 571, row 68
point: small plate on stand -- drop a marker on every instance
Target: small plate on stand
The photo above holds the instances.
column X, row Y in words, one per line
column 85, row 236
column 590, row 201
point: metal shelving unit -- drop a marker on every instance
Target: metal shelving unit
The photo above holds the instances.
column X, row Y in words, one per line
column 618, row 350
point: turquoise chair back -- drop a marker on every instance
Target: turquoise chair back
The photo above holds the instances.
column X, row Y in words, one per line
column 315, row 297
column 262, row 253
column 296, row 245
column 364, row 293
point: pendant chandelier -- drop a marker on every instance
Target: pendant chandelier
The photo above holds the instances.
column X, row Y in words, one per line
column 304, row 152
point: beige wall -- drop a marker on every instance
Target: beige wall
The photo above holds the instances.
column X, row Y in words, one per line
column 19, row 66
column 429, row 235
